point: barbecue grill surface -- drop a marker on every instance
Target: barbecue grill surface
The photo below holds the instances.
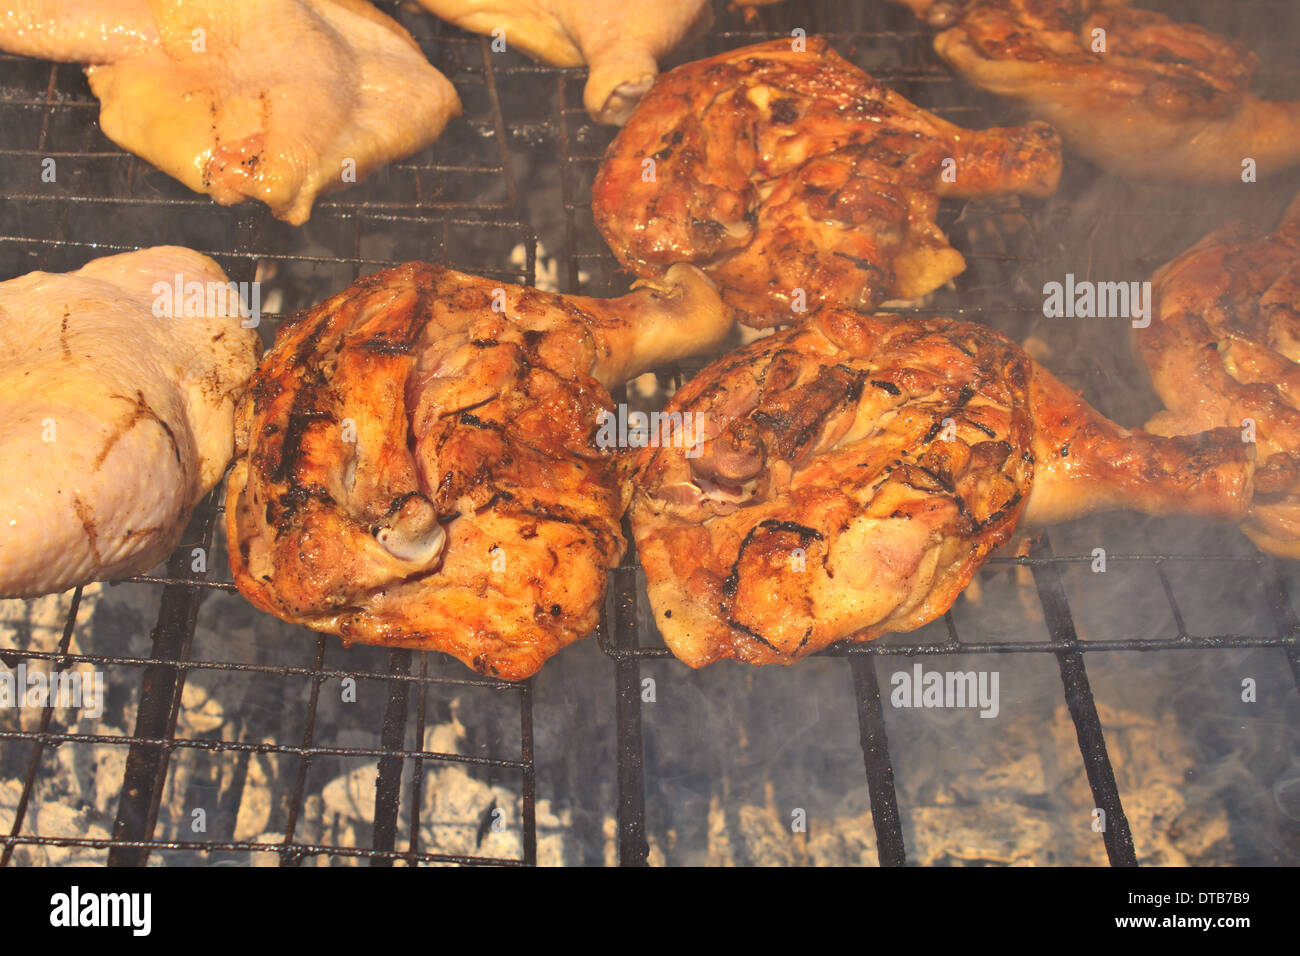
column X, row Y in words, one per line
column 212, row 706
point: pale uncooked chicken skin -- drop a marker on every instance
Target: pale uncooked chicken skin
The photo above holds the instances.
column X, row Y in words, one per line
column 275, row 100
column 116, row 413
column 621, row 41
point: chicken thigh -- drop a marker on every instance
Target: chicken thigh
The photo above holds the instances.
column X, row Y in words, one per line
column 621, row 41
column 1223, row 349
column 276, row 100
column 1144, row 96
column 855, row 472
column 795, row 180
column 117, row 401
column 423, row 465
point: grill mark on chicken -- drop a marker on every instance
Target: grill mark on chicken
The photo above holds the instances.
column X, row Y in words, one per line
column 388, row 347
column 87, row 518
column 144, row 532
column 750, row 633
column 793, row 526
column 729, row 583
column 141, row 411
column 290, row 447
column 901, row 518
column 467, row 419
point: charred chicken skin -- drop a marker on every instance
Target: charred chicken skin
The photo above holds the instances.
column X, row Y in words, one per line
column 795, row 180
column 420, row 465
column 855, row 472
column 1144, row 96
column 1223, row 350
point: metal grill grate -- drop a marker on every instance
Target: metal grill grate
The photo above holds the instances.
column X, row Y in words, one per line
column 1000, row 240
column 454, row 203
column 469, row 201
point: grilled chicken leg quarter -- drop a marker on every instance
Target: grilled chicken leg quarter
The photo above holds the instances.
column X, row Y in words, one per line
column 796, row 180
column 1142, row 95
column 856, row 472
column 421, row 465
column 1224, row 350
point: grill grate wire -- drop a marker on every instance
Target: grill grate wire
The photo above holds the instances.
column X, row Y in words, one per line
column 115, row 202
column 463, row 185
column 918, row 74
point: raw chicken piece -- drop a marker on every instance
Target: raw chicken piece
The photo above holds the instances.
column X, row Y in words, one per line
column 1223, row 349
column 423, row 462
column 621, row 41
column 795, row 180
column 856, row 472
column 1161, row 100
column 277, row 100
column 116, row 413
column 94, row 31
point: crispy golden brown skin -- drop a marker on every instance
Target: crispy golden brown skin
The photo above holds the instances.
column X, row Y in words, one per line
column 858, row 470
column 1163, row 100
column 420, row 469
column 794, row 179
column 1223, row 349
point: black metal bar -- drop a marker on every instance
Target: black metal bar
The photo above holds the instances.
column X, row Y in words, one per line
column 1083, row 709
column 880, row 770
column 570, row 281
column 1167, row 586
column 240, row 747
column 884, row 647
column 633, row 848
column 245, row 846
column 160, row 699
column 498, row 123
column 230, row 797
column 417, row 772
column 530, row 772
column 388, row 781
column 633, row 845
column 278, row 670
column 290, row 855
column 1279, row 602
